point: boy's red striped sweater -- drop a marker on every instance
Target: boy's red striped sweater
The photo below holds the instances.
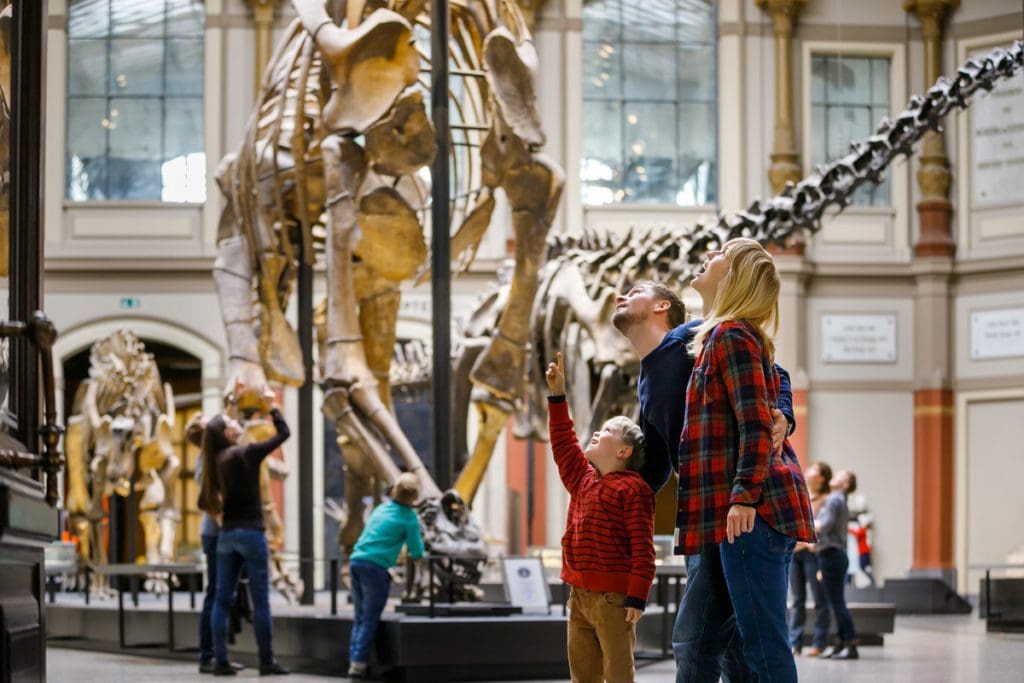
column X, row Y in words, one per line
column 608, row 545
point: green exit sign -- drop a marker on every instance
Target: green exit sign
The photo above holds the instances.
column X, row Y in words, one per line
column 130, row 302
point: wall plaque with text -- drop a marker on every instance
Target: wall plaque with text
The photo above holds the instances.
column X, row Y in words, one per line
column 858, row 338
column 997, row 143
column 997, row 334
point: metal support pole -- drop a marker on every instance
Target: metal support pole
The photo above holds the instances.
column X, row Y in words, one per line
column 440, row 264
column 334, row 586
column 28, row 57
column 306, row 495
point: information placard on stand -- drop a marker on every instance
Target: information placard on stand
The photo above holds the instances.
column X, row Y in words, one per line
column 526, row 584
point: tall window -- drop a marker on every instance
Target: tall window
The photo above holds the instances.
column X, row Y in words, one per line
column 849, row 96
column 649, row 89
column 135, row 101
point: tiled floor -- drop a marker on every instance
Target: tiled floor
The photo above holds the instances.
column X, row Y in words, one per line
column 922, row 650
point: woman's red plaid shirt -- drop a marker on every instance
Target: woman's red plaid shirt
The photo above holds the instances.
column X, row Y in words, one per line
column 725, row 454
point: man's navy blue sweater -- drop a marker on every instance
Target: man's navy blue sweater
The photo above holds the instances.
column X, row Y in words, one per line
column 664, row 374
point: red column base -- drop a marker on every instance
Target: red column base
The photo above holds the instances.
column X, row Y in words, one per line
column 933, row 479
column 935, row 239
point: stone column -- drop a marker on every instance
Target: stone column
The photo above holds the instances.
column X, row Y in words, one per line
column 933, row 177
column 785, row 166
column 263, row 20
column 934, row 525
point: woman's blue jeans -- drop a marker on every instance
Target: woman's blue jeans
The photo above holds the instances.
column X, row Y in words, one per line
column 237, row 548
column 706, row 644
column 804, row 572
column 206, row 616
column 370, row 586
column 756, row 567
column 834, row 564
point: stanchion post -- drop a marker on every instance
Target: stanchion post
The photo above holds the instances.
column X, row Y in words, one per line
column 334, row 586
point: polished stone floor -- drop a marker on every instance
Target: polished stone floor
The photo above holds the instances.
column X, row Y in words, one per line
column 953, row 649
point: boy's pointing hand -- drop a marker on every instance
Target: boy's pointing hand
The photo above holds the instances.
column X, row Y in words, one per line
column 556, row 377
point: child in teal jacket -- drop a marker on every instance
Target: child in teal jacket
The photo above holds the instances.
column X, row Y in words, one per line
column 390, row 526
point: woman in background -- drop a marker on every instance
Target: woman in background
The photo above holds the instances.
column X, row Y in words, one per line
column 231, row 489
column 804, row 572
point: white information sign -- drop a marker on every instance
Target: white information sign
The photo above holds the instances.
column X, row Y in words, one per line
column 997, row 142
column 997, row 334
column 858, row 338
column 526, row 585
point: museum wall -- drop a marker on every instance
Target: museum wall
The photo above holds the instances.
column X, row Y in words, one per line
column 147, row 264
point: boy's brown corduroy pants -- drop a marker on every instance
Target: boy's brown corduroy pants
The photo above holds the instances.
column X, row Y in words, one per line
column 600, row 641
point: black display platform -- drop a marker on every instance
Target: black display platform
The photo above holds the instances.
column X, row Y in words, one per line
column 408, row 648
column 458, row 609
column 1001, row 604
column 914, row 595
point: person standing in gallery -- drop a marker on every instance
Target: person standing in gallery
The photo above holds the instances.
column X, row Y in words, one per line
column 804, row 573
column 209, row 532
column 735, row 490
column 231, row 489
column 651, row 316
column 831, row 524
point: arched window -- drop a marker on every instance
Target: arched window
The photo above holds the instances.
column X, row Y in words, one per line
column 649, row 110
column 135, row 101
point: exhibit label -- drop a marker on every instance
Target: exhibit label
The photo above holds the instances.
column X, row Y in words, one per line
column 858, row 338
column 997, row 334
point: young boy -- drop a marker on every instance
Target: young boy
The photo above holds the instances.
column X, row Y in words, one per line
column 608, row 547
column 390, row 525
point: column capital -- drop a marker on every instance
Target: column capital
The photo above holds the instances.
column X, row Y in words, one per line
column 263, row 11
column 783, row 13
column 931, row 14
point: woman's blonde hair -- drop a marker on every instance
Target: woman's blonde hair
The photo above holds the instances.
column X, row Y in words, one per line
column 748, row 291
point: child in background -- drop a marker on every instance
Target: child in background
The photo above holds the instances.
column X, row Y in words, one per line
column 608, row 546
column 859, row 530
column 391, row 525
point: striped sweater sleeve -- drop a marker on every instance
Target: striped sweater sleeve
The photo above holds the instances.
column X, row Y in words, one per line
column 638, row 515
column 572, row 464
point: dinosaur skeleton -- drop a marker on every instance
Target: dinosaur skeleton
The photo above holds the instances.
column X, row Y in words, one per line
column 333, row 163
column 119, row 439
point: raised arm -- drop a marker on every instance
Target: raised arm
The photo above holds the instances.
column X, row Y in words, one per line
column 255, row 452
column 572, row 464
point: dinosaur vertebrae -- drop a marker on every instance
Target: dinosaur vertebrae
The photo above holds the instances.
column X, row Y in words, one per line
column 803, row 205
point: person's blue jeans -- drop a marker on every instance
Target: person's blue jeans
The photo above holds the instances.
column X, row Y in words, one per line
column 206, row 616
column 705, row 641
column 834, row 564
column 237, row 548
column 756, row 567
column 370, row 586
column 804, row 572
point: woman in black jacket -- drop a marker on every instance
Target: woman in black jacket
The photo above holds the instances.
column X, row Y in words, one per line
column 231, row 492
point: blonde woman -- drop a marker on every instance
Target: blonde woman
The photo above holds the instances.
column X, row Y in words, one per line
column 734, row 491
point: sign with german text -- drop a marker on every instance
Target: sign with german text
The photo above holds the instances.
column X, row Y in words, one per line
column 858, row 338
column 997, row 334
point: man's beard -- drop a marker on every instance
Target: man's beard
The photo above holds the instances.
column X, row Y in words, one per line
column 624, row 321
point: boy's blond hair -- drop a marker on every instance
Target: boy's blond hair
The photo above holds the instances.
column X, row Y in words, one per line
column 406, row 489
column 632, row 436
